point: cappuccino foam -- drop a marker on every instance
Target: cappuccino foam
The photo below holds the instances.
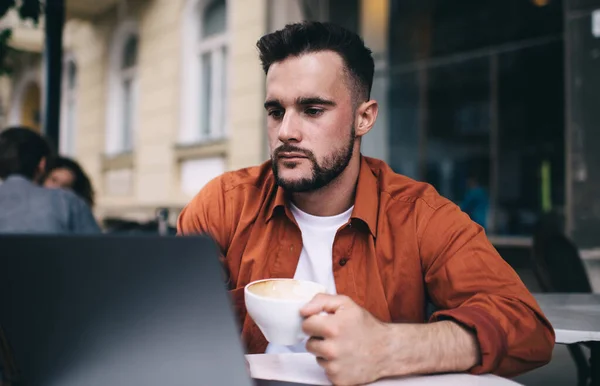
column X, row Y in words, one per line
column 282, row 289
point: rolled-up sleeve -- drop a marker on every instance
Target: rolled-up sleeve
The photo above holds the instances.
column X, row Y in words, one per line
column 471, row 284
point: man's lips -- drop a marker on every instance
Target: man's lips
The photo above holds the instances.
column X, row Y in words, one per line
column 291, row 155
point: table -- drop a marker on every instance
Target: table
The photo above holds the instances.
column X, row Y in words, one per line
column 441, row 380
column 511, row 241
column 302, row 368
column 575, row 319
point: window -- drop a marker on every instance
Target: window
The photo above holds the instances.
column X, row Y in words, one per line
column 127, row 92
column 477, row 106
column 122, row 102
column 26, row 109
column 205, row 72
column 69, row 106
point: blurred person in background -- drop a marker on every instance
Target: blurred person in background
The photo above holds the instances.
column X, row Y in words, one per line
column 66, row 173
column 381, row 243
column 476, row 201
column 25, row 206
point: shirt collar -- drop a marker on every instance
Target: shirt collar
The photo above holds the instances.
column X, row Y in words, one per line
column 366, row 201
column 18, row 177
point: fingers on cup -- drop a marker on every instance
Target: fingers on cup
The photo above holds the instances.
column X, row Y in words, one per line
column 322, row 349
column 322, row 326
column 324, row 303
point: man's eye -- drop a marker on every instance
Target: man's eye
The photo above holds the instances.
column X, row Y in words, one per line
column 276, row 114
column 313, row 112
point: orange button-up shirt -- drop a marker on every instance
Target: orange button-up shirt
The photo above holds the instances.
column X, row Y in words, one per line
column 403, row 246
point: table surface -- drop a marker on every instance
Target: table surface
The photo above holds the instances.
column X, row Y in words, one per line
column 574, row 317
column 442, row 380
column 302, row 368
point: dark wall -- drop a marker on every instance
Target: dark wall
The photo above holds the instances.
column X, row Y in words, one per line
column 345, row 13
column 580, row 5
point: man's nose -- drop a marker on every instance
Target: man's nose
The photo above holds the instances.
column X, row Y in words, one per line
column 290, row 128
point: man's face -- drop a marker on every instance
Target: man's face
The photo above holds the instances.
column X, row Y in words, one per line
column 310, row 120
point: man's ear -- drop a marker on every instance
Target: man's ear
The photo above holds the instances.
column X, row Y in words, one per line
column 366, row 115
column 41, row 170
column 42, row 165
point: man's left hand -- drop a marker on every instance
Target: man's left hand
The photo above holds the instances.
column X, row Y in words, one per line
column 346, row 339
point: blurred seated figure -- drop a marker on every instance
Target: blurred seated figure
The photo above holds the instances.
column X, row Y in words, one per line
column 25, row 206
column 476, row 202
column 66, row 173
column 558, row 265
column 559, row 268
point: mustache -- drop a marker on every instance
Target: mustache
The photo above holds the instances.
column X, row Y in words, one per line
column 291, row 149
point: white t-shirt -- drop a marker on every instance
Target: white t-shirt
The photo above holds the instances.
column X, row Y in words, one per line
column 315, row 263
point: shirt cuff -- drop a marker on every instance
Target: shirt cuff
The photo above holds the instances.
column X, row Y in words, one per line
column 488, row 332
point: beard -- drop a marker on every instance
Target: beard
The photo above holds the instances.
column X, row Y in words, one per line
column 321, row 174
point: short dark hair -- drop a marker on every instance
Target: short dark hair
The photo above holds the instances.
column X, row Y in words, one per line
column 311, row 36
column 21, row 150
column 82, row 186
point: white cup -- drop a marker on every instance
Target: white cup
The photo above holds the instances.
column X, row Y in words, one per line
column 274, row 305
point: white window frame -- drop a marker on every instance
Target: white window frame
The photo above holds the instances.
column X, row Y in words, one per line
column 190, row 128
column 29, row 76
column 68, row 129
column 128, row 75
column 115, row 137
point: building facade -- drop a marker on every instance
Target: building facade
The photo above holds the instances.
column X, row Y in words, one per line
column 159, row 96
column 149, row 89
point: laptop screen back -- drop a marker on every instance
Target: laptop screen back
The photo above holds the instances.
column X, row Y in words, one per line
column 113, row 310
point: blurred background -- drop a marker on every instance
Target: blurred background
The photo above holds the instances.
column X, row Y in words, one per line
column 494, row 102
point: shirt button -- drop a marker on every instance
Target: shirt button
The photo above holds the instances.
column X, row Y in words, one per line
column 343, row 261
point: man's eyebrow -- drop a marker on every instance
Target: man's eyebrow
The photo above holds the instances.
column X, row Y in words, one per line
column 272, row 103
column 303, row 101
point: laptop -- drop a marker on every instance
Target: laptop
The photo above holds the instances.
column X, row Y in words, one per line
column 117, row 310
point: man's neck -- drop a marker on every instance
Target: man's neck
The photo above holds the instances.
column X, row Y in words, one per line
column 333, row 199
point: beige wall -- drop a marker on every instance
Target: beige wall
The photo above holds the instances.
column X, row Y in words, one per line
column 147, row 182
column 247, row 134
column 158, row 112
column 132, row 186
column 155, row 175
column 88, row 43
